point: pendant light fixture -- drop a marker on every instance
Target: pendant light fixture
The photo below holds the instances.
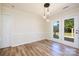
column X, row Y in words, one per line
column 46, row 11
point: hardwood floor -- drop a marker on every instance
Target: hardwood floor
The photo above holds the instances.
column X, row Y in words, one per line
column 40, row 48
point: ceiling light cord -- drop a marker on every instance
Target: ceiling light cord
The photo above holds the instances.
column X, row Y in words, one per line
column 46, row 11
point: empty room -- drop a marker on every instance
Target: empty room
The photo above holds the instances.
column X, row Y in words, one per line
column 39, row 29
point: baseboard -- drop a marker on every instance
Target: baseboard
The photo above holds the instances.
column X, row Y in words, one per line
column 27, row 42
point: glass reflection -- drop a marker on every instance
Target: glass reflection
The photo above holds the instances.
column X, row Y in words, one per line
column 56, row 29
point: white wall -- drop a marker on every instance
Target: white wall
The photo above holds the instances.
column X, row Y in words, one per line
column 0, row 25
column 19, row 27
column 28, row 28
column 69, row 13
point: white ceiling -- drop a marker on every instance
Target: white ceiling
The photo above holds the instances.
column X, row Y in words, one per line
column 38, row 8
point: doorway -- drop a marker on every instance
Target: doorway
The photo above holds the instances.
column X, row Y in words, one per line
column 64, row 31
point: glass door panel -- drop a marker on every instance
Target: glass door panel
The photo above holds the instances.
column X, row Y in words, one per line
column 56, row 30
column 69, row 30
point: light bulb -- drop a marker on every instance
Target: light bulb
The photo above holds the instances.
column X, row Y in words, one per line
column 48, row 13
column 44, row 17
column 47, row 20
